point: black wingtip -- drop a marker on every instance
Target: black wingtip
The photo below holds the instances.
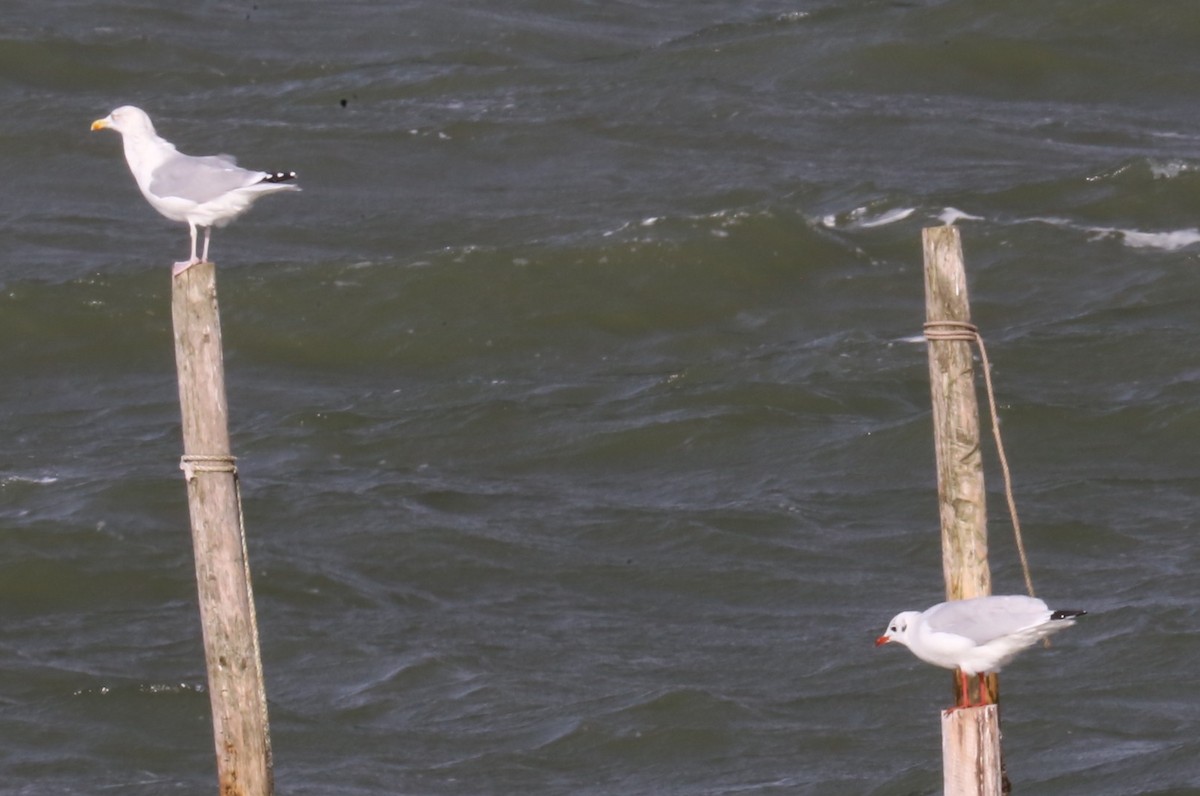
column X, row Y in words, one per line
column 279, row 176
column 1067, row 614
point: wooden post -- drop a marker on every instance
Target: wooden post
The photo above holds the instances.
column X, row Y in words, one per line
column 962, row 503
column 235, row 682
column 971, row 734
column 961, row 496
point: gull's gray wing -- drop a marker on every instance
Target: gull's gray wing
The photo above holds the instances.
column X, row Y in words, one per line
column 200, row 179
column 984, row 619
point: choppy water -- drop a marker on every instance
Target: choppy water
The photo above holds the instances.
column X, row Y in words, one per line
column 585, row 447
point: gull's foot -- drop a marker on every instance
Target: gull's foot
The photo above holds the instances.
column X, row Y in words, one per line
column 179, row 268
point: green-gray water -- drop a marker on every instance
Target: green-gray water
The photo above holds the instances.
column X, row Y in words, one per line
column 583, row 429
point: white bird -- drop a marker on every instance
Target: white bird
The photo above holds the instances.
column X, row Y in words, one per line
column 203, row 191
column 976, row 636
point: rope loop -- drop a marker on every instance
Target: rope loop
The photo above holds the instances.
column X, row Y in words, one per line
column 952, row 330
column 961, row 331
column 193, row 463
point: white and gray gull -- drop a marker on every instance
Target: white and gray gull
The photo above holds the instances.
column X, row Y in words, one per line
column 976, row 636
column 202, row 191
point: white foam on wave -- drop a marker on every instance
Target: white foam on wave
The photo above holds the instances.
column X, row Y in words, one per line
column 1166, row 170
column 1055, row 221
column 1166, row 241
column 858, row 217
column 887, row 217
column 1169, row 240
column 25, row 479
column 951, row 215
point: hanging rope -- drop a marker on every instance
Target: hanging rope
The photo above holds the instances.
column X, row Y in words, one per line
column 969, row 333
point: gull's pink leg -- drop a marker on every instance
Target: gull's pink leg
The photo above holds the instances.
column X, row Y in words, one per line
column 179, row 268
column 207, row 234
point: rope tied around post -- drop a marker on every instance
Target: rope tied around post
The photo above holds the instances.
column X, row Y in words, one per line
column 191, row 464
column 961, row 331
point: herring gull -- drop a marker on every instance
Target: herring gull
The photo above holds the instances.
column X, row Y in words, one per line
column 203, row 191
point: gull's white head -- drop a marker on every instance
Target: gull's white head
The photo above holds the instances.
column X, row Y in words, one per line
column 125, row 120
column 897, row 629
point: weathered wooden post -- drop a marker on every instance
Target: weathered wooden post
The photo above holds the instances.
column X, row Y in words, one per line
column 235, row 681
column 970, row 736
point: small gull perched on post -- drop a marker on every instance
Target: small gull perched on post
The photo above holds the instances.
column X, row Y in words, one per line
column 203, row 191
column 976, row 636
